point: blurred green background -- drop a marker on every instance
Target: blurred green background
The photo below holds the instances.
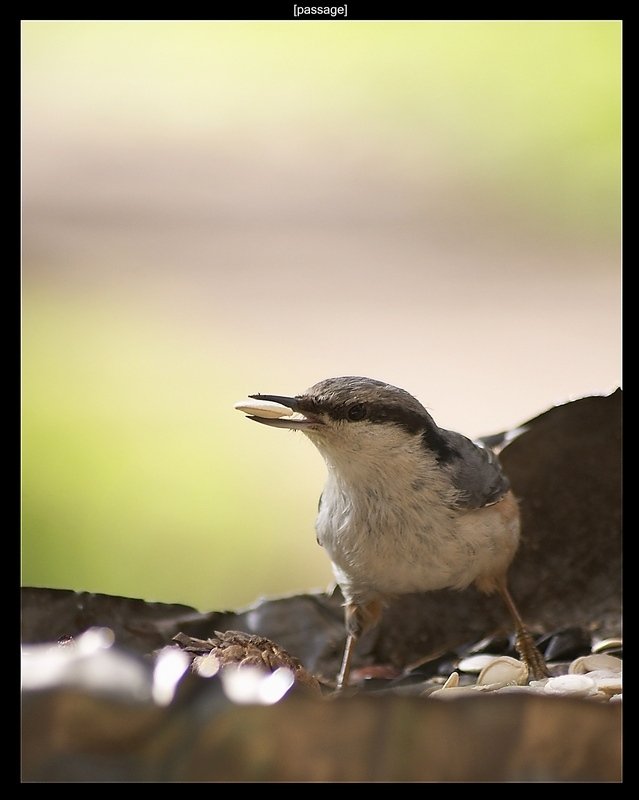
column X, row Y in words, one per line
column 212, row 209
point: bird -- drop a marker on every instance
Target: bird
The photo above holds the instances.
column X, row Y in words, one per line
column 407, row 506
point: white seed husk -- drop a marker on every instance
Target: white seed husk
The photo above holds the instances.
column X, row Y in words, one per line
column 476, row 663
column 263, row 408
column 460, row 691
column 607, row 644
column 575, row 685
column 607, row 682
column 451, row 681
column 505, row 671
column 597, row 661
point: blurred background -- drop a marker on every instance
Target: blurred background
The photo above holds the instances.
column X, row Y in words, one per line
column 212, row 209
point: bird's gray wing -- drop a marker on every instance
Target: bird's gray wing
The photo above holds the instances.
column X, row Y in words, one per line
column 475, row 471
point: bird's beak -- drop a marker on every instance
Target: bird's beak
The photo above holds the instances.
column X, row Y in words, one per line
column 276, row 411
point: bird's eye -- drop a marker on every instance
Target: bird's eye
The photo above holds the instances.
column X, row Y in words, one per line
column 356, row 412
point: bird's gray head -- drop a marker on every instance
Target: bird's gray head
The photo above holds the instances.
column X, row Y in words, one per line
column 371, row 431
column 353, row 418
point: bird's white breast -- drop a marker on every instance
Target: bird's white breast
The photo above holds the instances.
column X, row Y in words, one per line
column 389, row 527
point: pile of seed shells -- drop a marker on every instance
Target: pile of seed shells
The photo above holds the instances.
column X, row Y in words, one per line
column 596, row 676
column 236, row 648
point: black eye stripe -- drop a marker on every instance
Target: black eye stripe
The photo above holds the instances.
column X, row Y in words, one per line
column 410, row 420
column 384, row 404
column 376, row 412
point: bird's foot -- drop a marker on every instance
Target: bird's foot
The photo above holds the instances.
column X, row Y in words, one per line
column 530, row 655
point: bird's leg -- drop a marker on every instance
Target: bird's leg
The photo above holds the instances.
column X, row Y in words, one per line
column 524, row 643
column 345, row 670
column 357, row 618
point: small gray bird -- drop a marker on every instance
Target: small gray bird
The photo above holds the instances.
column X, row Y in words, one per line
column 407, row 506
